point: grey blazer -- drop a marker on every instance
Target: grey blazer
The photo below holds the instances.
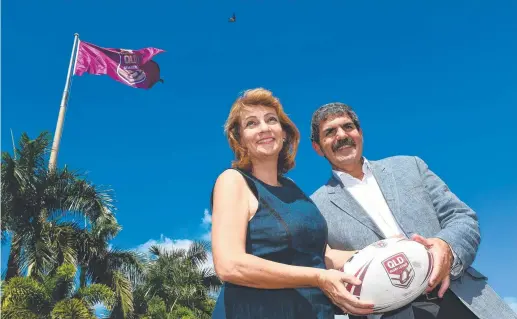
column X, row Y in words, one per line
column 423, row 204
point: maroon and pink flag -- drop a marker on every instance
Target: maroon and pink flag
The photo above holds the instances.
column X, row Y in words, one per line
column 131, row 67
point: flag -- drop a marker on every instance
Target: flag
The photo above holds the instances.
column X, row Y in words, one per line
column 131, row 67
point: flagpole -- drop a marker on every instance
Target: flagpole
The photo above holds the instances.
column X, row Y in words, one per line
column 62, row 110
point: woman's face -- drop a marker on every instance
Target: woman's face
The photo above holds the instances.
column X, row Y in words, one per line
column 261, row 133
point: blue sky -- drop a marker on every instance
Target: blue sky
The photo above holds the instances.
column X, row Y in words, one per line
column 433, row 79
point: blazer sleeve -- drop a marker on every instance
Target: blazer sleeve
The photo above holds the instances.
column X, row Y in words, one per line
column 459, row 223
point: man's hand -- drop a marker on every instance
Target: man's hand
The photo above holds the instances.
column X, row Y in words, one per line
column 443, row 259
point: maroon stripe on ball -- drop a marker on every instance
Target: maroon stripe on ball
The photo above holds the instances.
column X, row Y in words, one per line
column 350, row 286
column 430, row 266
column 357, row 289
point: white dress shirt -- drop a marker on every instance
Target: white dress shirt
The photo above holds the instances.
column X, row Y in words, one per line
column 369, row 195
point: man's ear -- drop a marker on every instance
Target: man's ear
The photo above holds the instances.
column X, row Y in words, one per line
column 317, row 148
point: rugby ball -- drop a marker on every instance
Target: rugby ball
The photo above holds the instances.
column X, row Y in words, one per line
column 393, row 271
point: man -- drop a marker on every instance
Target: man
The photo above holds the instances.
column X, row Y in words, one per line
column 365, row 201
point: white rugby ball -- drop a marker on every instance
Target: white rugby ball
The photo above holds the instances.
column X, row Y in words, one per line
column 393, row 271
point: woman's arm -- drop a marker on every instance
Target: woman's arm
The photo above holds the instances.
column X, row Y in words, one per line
column 230, row 217
column 336, row 259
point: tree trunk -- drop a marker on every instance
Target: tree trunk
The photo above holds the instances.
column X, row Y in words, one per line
column 82, row 277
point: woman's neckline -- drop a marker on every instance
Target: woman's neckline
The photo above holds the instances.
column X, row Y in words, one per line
column 280, row 181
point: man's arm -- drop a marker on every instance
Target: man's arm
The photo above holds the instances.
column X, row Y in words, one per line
column 336, row 259
column 459, row 223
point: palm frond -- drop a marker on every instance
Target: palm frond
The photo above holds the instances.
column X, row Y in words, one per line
column 97, row 293
column 37, row 257
column 71, row 308
column 13, row 262
column 106, row 227
column 129, row 263
column 63, row 283
column 124, row 294
column 32, row 152
column 89, row 200
column 210, row 279
column 155, row 251
column 198, row 253
column 101, row 267
column 25, row 293
column 18, row 312
column 63, row 239
column 69, row 194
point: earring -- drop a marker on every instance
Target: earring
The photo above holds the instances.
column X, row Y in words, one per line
column 283, row 139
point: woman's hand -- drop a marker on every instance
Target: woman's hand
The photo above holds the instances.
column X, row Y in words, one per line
column 332, row 282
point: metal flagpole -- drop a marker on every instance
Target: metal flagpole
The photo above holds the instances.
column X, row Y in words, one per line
column 62, row 110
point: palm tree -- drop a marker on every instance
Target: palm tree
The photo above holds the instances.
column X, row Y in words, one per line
column 118, row 269
column 53, row 297
column 42, row 210
column 156, row 309
column 178, row 279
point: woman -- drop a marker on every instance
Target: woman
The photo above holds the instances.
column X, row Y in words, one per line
column 269, row 240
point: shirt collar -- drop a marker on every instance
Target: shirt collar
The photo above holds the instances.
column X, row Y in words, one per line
column 348, row 179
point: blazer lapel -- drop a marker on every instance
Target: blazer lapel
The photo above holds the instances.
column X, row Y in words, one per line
column 346, row 202
column 388, row 187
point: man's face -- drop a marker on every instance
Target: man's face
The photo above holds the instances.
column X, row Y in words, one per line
column 341, row 142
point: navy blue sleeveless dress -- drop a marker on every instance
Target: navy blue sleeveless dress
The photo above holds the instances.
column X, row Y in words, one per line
column 287, row 228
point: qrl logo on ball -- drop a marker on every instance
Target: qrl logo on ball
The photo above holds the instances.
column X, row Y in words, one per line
column 400, row 270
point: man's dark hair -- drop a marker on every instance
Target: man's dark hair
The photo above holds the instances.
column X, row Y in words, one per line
column 330, row 110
